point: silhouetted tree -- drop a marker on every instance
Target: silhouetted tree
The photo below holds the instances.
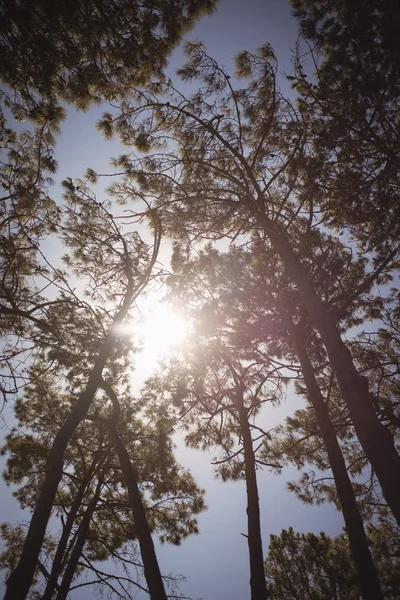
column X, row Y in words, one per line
column 241, row 300
column 233, row 169
column 350, row 101
column 91, row 503
column 88, row 51
column 117, row 267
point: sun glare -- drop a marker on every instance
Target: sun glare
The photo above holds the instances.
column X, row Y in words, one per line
column 162, row 330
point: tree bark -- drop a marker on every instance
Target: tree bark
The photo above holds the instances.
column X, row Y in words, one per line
column 367, row 574
column 258, row 584
column 375, row 438
column 78, row 546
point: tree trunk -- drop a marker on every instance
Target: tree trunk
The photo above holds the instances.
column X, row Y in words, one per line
column 62, row 544
column 367, row 575
column 78, row 546
column 375, row 438
column 151, row 567
column 20, row 580
column 150, row 563
column 258, row 584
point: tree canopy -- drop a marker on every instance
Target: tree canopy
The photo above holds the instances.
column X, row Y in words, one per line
column 88, row 51
column 282, row 212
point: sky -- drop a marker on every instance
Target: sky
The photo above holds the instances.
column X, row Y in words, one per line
column 215, row 562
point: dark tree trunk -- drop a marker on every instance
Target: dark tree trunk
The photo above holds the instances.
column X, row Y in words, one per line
column 151, row 567
column 78, row 546
column 375, row 438
column 62, row 544
column 152, row 571
column 20, row 580
column 367, row 575
column 258, row 584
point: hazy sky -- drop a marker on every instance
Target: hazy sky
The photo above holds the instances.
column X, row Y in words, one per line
column 215, row 562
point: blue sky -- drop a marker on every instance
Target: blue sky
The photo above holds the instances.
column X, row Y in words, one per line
column 215, row 562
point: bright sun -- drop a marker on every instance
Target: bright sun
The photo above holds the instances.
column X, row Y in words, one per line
column 162, row 329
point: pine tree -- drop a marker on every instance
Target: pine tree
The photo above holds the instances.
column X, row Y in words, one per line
column 240, row 297
column 240, row 153
column 217, row 397
column 302, row 566
column 91, row 503
column 351, row 103
column 88, row 51
column 117, row 267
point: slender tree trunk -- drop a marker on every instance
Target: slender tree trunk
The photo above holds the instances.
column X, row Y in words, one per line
column 258, row 584
column 20, row 580
column 152, row 571
column 62, row 544
column 151, row 567
column 375, row 438
column 367, row 575
column 78, row 546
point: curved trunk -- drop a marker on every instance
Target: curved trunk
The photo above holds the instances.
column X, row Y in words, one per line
column 375, row 438
column 367, row 575
column 258, row 584
column 78, row 546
